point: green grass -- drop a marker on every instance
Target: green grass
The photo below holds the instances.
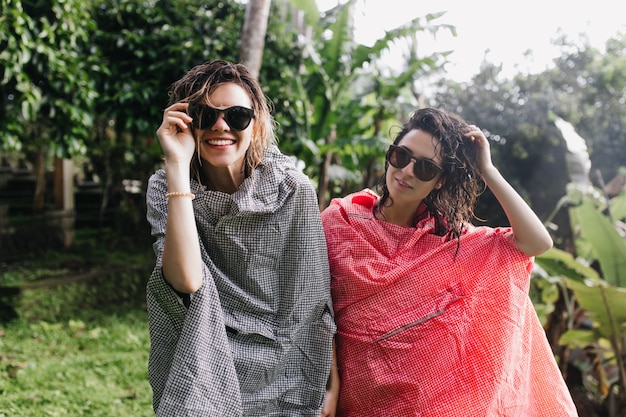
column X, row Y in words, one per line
column 92, row 367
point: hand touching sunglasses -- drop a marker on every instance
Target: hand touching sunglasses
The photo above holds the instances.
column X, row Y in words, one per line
column 423, row 169
column 204, row 117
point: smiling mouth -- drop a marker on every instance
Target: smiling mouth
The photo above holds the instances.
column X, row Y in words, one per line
column 219, row 142
column 403, row 184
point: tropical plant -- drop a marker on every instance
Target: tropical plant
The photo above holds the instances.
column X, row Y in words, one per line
column 345, row 96
column 592, row 282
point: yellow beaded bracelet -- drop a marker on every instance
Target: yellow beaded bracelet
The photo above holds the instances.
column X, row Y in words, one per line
column 180, row 194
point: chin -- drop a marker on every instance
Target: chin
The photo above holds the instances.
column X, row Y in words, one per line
column 223, row 161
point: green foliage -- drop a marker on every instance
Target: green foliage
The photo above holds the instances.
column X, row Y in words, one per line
column 607, row 246
column 606, row 306
column 94, row 365
column 544, row 293
column 617, row 205
column 309, row 9
column 137, row 49
column 338, row 72
column 346, row 98
column 596, row 324
column 588, row 88
column 103, row 289
column 282, row 57
column 603, row 295
column 596, row 279
column 561, row 263
column 47, row 87
column 20, row 273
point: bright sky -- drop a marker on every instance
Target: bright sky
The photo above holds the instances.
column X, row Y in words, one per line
column 504, row 30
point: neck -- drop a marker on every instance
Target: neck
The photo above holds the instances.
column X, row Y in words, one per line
column 397, row 214
column 224, row 179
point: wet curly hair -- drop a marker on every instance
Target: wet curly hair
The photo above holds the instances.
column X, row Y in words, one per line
column 453, row 204
column 197, row 85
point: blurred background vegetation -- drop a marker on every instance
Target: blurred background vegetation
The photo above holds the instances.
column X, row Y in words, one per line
column 83, row 86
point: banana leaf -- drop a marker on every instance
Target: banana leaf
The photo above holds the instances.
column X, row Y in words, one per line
column 606, row 305
column 618, row 206
column 608, row 247
column 558, row 262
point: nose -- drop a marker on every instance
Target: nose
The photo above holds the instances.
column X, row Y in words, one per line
column 409, row 169
column 220, row 124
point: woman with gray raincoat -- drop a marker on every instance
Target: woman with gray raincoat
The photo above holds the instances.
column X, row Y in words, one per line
column 239, row 306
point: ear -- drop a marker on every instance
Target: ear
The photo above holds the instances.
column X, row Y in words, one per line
column 440, row 183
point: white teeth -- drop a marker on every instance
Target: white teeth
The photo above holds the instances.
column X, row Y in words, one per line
column 220, row 142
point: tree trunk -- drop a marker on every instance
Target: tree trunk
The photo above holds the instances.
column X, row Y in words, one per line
column 324, row 178
column 253, row 36
column 63, row 184
column 324, row 181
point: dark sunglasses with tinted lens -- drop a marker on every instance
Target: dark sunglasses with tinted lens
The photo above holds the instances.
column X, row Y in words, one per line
column 204, row 117
column 424, row 169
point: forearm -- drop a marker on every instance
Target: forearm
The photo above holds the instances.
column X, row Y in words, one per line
column 182, row 262
column 531, row 237
column 332, row 388
column 333, row 380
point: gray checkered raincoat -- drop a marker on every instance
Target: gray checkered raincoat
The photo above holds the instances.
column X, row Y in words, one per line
column 256, row 338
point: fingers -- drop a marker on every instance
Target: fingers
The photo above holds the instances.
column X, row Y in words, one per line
column 175, row 135
column 480, row 144
column 475, row 133
column 175, row 116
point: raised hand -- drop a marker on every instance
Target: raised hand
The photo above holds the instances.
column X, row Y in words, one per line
column 175, row 135
column 483, row 151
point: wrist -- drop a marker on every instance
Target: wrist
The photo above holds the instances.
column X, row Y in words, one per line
column 490, row 172
column 177, row 177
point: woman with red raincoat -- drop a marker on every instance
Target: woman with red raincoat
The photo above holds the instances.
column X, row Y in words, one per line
column 433, row 315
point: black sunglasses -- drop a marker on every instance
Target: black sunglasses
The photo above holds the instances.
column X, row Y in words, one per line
column 424, row 169
column 204, row 117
